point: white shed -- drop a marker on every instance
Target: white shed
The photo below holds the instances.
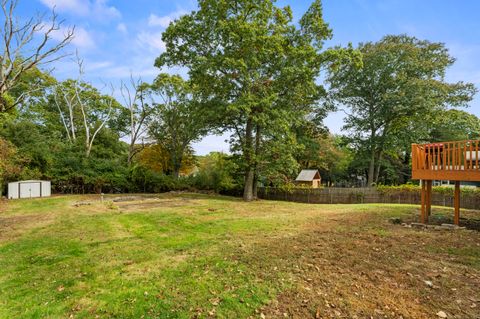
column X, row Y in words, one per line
column 29, row 189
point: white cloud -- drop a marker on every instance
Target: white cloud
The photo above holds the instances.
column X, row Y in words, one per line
column 94, row 66
column 124, row 72
column 156, row 21
column 78, row 6
column 122, row 27
column 152, row 40
column 101, row 8
column 95, row 8
column 81, row 37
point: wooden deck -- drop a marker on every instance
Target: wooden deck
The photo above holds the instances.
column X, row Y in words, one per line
column 453, row 161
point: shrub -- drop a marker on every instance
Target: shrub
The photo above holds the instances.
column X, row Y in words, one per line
column 216, row 172
column 449, row 190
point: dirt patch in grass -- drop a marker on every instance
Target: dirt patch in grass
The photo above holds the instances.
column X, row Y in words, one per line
column 136, row 197
column 12, row 227
column 145, row 204
column 365, row 268
column 129, row 203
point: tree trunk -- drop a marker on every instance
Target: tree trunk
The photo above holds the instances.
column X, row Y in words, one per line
column 177, row 165
column 257, row 153
column 255, row 186
column 377, row 173
column 250, row 170
column 379, row 166
column 248, row 189
column 176, row 172
column 371, row 166
column 130, row 154
column 371, row 169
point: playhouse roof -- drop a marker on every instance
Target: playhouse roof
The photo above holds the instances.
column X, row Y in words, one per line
column 308, row 175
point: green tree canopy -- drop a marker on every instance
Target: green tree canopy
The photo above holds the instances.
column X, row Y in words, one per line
column 391, row 99
column 454, row 125
column 256, row 68
column 178, row 118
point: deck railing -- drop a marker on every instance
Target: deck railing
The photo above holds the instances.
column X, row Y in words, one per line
column 455, row 161
column 448, row 157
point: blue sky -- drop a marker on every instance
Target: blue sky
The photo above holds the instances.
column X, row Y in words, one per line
column 119, row 37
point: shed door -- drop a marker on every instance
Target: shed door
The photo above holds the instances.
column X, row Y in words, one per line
column 29, row 190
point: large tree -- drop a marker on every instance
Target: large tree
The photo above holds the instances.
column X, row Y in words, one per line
column 394, row 95
column 257, row 68
column 178, row 119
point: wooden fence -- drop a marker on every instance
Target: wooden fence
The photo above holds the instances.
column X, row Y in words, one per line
column 363, row 195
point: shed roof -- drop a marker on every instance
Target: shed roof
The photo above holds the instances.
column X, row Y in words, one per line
column 30, row 181
column 308, row 175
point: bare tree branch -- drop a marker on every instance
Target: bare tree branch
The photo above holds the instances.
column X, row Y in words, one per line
column 75, row 100
column 26, row 45
column 139, row 109
column 89, row 147
column 62, row 116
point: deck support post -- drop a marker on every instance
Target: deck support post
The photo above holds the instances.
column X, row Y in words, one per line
column 429, row 200
column 422, row 194
column 456, row 219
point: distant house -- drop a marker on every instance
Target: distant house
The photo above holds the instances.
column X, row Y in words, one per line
column 309, row 177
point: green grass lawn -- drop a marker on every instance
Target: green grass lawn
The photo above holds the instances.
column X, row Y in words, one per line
column 187, row 256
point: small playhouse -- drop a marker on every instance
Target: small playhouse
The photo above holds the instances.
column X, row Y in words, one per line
column 29, row 189
column 309, row 177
